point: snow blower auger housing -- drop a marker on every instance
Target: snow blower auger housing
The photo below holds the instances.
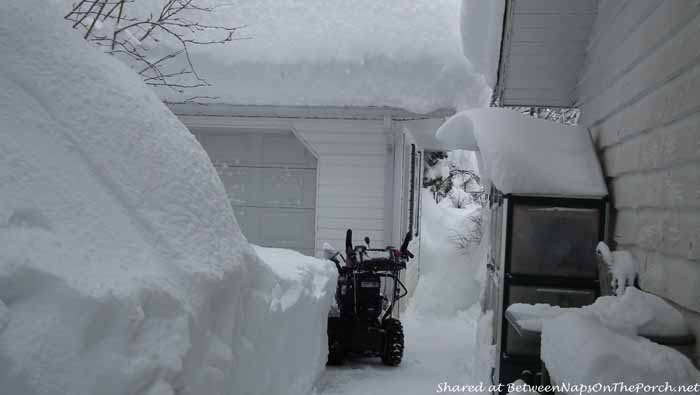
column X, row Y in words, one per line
column 362, row 322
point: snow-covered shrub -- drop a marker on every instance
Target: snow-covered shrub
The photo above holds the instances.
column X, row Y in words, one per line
column 459, row 198
column 454, row 177
column 469, row 233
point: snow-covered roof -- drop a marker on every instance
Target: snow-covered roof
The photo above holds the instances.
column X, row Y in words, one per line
column 405, row 54
column 310, row 112
column 528, row 156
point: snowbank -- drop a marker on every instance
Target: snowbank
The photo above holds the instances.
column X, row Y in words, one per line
column 285, row 326
column 448, row 278
column 635, row 312
column 405, row 54
column 122, row 267
column 580, row 349
column 525, row 155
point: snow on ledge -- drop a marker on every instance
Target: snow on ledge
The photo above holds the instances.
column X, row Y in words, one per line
column 635, row 312
column 525, row 155
column 580, row 349
column 601, row 343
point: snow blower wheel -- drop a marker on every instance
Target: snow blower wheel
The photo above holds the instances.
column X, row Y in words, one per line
column 393, row 350
column 361, row 322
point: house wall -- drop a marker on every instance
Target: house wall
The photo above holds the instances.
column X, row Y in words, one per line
column 640, row 96
column 355, row 168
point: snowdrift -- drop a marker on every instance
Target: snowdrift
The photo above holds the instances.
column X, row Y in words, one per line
column 122, row 267
column 448, row 275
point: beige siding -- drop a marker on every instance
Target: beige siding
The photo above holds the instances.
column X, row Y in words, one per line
column 640, row 95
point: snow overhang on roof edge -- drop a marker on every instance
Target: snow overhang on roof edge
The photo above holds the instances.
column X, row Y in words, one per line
column 527, row 156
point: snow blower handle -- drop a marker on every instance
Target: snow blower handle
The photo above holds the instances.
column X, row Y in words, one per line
column 404, row 247
column 348, row 241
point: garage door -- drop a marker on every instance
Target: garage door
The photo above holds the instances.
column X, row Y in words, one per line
column 270, row 178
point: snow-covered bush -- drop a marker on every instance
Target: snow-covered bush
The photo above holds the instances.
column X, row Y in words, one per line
column 122, row 267
column 453, row 177
column 469, row 233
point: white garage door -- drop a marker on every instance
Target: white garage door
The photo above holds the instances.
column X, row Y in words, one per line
column 270, row 178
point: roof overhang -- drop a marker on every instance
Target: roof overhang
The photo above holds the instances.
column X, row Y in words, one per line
column 543, row 51
column 306, row 112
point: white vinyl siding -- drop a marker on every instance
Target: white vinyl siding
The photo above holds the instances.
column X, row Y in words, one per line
column 354, row 159
column 544, row 47
column 640, row 96
column 352, row 177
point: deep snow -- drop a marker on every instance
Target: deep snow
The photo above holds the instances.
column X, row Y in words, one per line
column 402, row 53
column 634, row 312
column 122, row 267
column 449, row 276
column 610, row 356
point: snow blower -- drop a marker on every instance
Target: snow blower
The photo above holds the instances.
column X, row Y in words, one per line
column 362, row 322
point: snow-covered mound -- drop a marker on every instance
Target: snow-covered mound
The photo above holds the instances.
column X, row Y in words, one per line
column 579, row 349
column 122, row 267
column 448, row 275
column 635, row 312
column 402, row 53
column 525, row 155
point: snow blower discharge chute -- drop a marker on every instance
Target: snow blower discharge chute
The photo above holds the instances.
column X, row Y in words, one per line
column 369, row 285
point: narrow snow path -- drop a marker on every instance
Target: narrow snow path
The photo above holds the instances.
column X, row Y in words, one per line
column 437, row 350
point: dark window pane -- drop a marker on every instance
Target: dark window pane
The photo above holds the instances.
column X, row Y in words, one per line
column 554, row 241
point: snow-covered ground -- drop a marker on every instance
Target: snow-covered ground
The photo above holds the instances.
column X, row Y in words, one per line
column 440, row 321
column 438, row 350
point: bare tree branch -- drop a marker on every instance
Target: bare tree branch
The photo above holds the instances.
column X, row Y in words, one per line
column 108, row 23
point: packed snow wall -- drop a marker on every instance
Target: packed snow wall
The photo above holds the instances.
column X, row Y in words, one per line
column 122, row 267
